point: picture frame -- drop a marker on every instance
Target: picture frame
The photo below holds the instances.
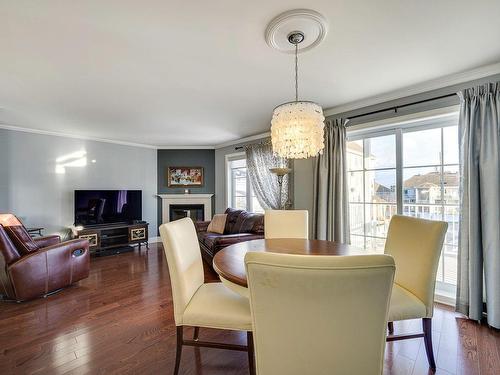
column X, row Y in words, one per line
column 185, row 177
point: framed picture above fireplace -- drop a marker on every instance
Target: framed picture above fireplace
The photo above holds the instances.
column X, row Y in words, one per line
column 185, row 176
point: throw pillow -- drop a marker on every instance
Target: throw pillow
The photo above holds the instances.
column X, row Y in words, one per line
column 217, row 224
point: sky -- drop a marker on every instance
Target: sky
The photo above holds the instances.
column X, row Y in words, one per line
column 419, row 148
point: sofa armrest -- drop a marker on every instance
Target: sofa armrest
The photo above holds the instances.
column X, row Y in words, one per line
column 47, row 240
column 230, row 239
column 71, row 246
column 201, row 226
column 50, row 268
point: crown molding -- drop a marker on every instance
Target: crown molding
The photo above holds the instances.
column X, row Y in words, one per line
column 73, row 136
column 243, row 140
column 105, row 140
column 185, row 147
column 434, row 84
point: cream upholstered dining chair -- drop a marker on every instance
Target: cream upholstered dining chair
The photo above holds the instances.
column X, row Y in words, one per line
column 286, row 224
column 197, row 304
column 319, row 314
column 415, row 244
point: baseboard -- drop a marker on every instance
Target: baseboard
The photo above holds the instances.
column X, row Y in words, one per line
column 444, row 300
column 154, row 239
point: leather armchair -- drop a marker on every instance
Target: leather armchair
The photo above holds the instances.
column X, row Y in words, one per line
column 47, row 240
column 31, row 268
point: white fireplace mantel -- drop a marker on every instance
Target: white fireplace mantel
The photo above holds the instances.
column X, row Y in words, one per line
column 168, row 199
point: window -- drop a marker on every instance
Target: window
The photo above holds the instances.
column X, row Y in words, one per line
column 372, row 189
column 240, row 194
column 411, row 169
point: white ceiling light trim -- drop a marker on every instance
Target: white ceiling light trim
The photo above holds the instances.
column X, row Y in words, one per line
column 312, row 24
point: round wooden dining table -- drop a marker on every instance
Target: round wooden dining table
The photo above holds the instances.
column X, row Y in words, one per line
column 229, row 262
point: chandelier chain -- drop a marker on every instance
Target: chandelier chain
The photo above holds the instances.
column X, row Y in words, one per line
column 296, row 72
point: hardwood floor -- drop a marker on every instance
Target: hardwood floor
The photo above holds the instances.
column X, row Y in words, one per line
column 120, row 321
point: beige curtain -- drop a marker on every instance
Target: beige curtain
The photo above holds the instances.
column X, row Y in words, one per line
column 331, row 209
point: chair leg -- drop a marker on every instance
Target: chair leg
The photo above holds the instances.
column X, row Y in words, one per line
column 196, row 333
column 427, row 326
column 390, row 326
column 178, row 351
column 251, row 353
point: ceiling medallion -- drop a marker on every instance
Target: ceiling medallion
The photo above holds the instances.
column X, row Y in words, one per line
column 310, row 22
column 297, row 127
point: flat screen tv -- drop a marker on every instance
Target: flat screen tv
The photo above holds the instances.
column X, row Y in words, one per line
column 97, row 207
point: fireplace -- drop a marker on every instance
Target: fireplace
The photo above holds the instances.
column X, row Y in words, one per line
column 190, row 200
column 195, row 211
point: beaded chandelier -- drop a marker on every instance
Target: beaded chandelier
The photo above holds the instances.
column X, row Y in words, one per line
column 297, row 128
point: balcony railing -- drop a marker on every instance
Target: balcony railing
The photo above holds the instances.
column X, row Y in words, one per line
column 371, row 232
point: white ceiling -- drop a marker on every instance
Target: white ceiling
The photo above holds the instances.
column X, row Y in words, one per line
column 200, row 72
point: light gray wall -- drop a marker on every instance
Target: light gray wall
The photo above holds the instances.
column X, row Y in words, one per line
column 31, row 188
column 302, row 184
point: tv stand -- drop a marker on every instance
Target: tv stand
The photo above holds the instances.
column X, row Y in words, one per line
column 113, row 238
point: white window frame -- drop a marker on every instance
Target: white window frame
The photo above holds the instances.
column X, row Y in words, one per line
column 229, row 182
column 397, row 126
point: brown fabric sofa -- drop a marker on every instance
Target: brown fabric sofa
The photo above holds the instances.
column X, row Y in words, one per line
column 34, row 267
column 240, row 226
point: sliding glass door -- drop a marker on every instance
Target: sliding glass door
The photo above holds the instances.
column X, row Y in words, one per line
column 410, row 169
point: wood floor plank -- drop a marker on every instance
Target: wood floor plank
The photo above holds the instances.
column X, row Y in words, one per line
column 467, row 358
column 120, row 321
column 447, row 350
column 421, row 364
column 487, row 348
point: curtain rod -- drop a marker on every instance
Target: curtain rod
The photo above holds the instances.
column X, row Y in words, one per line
column 395, row 108
column 265, row 141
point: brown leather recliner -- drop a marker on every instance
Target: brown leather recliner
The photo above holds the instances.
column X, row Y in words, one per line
column 34, row 267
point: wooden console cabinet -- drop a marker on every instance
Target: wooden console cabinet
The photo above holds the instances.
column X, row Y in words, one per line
column 113, row 236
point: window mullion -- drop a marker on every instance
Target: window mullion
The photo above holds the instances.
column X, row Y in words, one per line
column 399, row 171
column 249, row 193
column 364, row 194
column 233, row 189
column 442, row 200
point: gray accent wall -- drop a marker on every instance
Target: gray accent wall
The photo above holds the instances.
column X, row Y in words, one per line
column 31, row 188
column 185, row 158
